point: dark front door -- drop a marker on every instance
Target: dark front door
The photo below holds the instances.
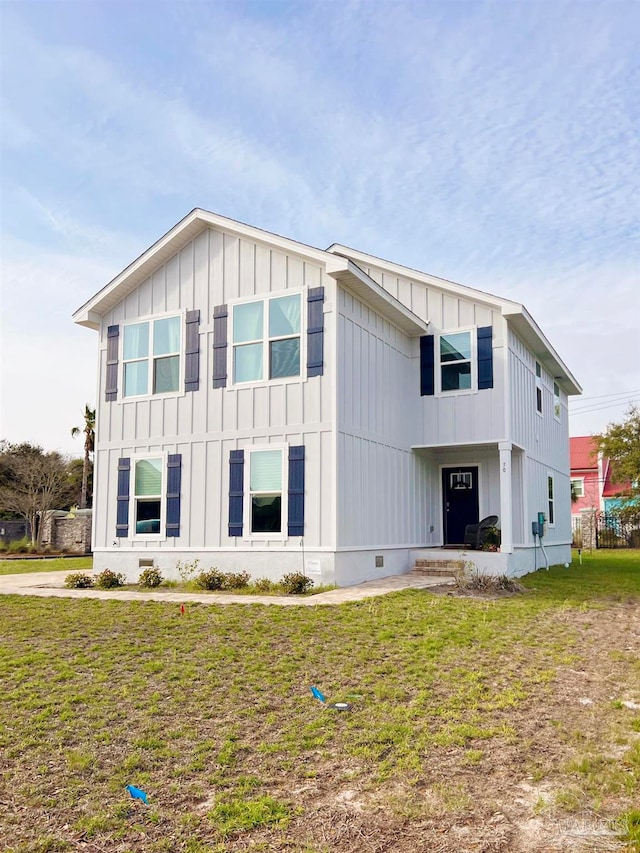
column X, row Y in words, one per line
column 460, row 502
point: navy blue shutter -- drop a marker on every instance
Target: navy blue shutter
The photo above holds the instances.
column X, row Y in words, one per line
column 111, row 386
column 296, row 491
column 174, row 481
column 427, row 366
column 315, row 331
column 236, row 492
column 220, row 315
column 192, row 351
column 485, row 357
column 122, row 517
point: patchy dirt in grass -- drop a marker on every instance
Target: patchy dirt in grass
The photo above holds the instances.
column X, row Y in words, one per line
column 499, row 804
column 526, row 790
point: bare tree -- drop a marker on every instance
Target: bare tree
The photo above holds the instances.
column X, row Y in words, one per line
column 89, row 432
column 32, row 482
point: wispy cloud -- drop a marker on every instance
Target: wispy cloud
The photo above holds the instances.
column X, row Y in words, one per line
column 488, row 142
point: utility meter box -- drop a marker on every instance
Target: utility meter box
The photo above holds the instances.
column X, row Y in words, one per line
column 537, row 527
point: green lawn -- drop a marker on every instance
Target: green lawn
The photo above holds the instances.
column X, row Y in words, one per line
column 470, row 719
column 17, row 566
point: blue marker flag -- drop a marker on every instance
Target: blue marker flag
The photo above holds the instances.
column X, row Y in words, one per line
column 317, row 694
column 137, row 793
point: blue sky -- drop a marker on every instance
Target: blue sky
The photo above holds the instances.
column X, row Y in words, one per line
column 492, row 143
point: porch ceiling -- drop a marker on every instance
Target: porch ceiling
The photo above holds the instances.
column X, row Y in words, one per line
column 465, row 446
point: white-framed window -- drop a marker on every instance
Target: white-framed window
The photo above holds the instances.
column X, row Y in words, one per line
column 267, row 339
column 151, row 356
column 551, row 502
column 457, row 368
column 556, row 401
column 148, row 495
column 538, row 388
column 577, row 487
column 266, row 496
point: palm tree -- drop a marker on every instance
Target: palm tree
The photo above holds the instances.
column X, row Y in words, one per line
column 89, row 432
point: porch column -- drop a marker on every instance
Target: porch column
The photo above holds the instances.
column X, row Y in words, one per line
column 506, row 521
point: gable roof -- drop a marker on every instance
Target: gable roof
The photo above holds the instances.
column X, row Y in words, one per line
column 199, row 220
column 583, row 453
column 517, row 315
column 341, row 263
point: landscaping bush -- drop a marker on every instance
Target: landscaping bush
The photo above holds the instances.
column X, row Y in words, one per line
column 264, row 585
column 187, row 570
column 150, row 577
column 19, row 546
column 212, row 579
column 236, row 580
column 79, row 580
column 110, row 580
column 296, row 583
column 488, row 583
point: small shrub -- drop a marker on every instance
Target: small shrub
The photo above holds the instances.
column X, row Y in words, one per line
column 236, row 580
column 295, row 583
column 3, row 545
column 187, row 570
column 212, row 579
column 150, row 577
column 487, row 583
column 110, row 580
column 19, row 546
column 264, row 585
column 79, row 580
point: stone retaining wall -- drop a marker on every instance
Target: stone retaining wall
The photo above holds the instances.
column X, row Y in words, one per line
column 71, row 535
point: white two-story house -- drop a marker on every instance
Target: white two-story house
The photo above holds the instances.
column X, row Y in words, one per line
column 271, row 407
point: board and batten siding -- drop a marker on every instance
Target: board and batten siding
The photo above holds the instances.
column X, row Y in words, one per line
column 382, row 484
column 217, row 268
column 453, row 418
column 544, row 437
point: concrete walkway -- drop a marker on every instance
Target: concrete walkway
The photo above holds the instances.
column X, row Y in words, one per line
column 51, row 585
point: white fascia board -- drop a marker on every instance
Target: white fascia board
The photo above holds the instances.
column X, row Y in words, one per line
column 171, row 243
column 527, row 329
column 364, row 287
column 423, row 278
column 89, row 319
column 477, row 445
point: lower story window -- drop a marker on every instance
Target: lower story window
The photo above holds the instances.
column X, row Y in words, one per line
column 148, row 495
column 265, row 490
column 551, row 503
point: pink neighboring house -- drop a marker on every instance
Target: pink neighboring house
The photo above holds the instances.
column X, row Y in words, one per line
column 591, row 474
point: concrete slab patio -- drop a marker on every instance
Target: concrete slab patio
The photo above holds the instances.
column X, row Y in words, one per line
column 51, row 585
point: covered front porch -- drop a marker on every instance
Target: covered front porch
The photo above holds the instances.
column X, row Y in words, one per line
column 468, row 482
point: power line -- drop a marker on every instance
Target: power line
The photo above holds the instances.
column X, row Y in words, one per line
column 613, row 405
column 602, row 396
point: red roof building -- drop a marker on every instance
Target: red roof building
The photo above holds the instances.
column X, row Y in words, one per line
column 591, row 477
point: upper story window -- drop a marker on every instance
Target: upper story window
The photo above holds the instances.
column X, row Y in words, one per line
column 266, row 339
column 456, row 364
column 151, row 357
column 556, row 401
column 538, row 388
